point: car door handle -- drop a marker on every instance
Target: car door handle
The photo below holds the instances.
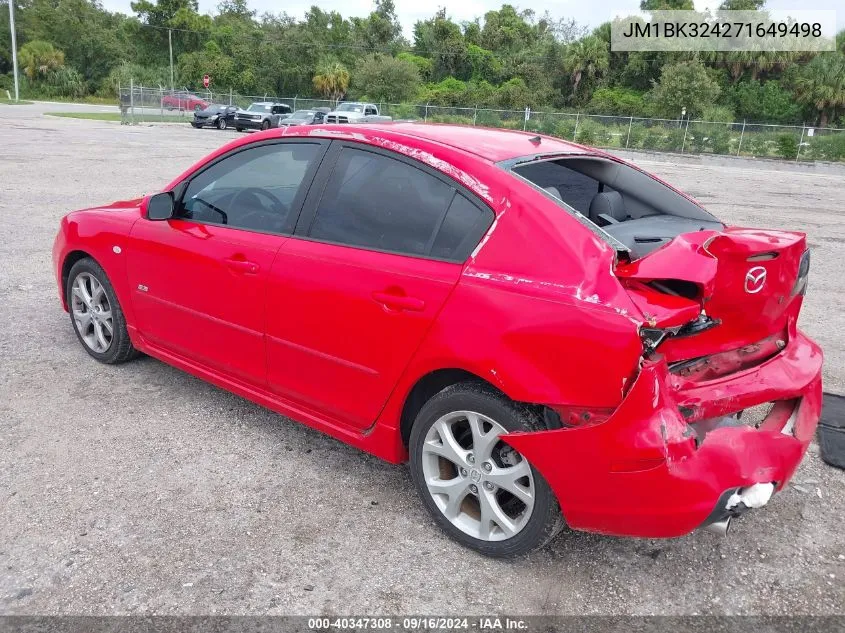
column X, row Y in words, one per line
column 399, row 302
column 242, row 266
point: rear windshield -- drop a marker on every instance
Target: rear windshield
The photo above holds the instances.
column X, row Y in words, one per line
column 571, row 190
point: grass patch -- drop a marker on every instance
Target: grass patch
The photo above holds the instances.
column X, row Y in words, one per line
column 13, row 102
column 115, row 116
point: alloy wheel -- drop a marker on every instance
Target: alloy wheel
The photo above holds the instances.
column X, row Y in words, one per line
column 92, row 312
column 479, row 483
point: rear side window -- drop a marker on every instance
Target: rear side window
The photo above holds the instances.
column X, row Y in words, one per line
column 376, row 202
column 462, row 227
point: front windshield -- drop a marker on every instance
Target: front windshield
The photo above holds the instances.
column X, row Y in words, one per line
column 350, row 107
column 216, row 108
column 259, row 107
column 302, row 114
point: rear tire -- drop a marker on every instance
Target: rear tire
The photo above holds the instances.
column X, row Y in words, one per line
column 96, row 315
column 481, row 492
column 239, row 129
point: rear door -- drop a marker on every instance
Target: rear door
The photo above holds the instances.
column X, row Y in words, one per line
column 378, row 248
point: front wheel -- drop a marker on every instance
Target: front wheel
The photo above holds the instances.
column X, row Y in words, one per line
column 96, row 315
column 482, row 492
column 265, row 125
column 221, row 123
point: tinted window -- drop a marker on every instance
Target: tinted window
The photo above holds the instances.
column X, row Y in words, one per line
column 252, row 189
column 461, row 230
column 377, row 202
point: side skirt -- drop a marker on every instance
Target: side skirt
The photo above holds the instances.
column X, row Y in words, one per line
column 378, row 440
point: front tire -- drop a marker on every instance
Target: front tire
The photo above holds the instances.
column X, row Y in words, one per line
column 479, row 490
column 221, row 124
column 265, row 125
column 96, row 315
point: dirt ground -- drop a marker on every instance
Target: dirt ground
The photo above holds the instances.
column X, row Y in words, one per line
column 139, row 489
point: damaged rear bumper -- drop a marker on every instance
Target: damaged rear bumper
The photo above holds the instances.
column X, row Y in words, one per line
column 646, row 471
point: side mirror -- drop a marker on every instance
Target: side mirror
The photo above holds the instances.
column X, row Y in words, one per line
column 160, row 206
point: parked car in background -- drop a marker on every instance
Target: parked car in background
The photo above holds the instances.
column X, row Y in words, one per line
column 261, row 115
column 184, row 101
column 305, row 117
column 219, row 116
column 353, row 112
column 546, row 332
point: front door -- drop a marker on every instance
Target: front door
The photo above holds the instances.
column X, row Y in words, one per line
column 199, row 279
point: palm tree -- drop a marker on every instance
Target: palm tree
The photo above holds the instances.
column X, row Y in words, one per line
column 37, row 58
column 588, row 57
column 821, row 84
column 331, row 80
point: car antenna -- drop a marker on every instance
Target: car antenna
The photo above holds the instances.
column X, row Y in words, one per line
column 535, row 139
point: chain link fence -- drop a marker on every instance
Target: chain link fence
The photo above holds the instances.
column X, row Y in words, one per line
column 142, row 104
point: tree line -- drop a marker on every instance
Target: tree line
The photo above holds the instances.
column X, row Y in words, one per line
column 508, row 59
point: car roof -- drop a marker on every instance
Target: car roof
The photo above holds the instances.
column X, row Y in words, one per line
column 493, row 144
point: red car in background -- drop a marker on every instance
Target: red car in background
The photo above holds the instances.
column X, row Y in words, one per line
column 184, row 101
column 547, row 333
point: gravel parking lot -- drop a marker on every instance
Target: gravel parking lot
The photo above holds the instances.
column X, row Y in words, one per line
column 139, row 489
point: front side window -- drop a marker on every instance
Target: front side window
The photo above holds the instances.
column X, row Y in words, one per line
column 380, row 203
column 253, row 189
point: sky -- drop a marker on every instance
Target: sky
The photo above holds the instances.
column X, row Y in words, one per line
column 590, row 13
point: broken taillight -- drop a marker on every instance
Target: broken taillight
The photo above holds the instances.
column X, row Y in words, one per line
column 800, row 286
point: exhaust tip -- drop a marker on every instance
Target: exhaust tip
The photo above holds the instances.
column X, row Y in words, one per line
column 719, row 527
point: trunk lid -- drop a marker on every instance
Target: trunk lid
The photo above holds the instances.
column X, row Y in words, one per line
column 715, row 291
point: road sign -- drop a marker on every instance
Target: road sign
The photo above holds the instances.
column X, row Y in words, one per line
column 206, row 80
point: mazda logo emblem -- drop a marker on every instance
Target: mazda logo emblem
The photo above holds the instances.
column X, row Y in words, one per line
column 755, row 279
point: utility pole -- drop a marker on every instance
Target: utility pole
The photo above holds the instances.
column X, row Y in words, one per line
column 170, row 46
column 14, row 47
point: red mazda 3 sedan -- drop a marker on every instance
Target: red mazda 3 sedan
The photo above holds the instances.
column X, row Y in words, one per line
column 549, row 335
